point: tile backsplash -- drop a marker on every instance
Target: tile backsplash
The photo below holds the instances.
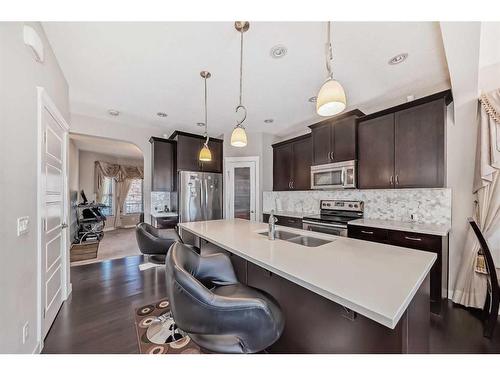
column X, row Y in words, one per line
column 160, row 199
column 429, row 206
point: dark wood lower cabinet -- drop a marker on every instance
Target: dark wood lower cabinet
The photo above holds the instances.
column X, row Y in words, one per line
column 418, row 241
column 286, row 221
column 314, row 324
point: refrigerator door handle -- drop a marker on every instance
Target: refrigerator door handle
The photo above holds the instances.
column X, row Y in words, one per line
column 202, row 205
column 206, row 200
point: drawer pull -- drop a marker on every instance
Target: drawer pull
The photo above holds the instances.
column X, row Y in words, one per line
column 366, row 232
column 413, row 238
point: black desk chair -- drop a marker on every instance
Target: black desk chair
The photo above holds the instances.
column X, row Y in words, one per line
column 216, row 311
column 151, row 243
column 490, row 311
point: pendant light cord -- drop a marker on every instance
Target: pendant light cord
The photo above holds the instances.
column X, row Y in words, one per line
column 241, row 66
column 240, row 105
column 329, row 52
column 206, row 123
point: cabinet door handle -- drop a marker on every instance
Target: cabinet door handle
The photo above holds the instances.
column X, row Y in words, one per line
column 397, row 179
column 293, row 183
column 289, row 184
column 366, row 232
column 413, row 238
column 391, row 180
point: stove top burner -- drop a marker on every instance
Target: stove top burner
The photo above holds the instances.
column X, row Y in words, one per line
column 338, row 212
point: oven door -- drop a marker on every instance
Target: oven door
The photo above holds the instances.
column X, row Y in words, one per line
column 331, row 178
column 327, row 228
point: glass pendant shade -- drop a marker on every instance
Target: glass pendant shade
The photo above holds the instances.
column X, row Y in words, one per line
column 331, row 98
column 205, row 154
column 239, row 137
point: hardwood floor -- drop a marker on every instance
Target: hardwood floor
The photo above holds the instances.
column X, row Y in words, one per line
column 99, row 316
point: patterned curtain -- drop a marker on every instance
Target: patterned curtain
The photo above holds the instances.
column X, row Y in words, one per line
column 471, row 286
column 123, row 175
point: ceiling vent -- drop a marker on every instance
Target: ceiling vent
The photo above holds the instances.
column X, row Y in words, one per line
column 278, row 51
column 398, row 59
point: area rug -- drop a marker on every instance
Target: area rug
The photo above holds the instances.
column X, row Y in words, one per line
column 157, row 332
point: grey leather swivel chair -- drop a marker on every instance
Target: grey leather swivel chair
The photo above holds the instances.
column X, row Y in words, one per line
column 214, row 309
column 151, row 243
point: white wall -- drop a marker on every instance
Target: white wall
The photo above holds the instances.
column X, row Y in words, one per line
column 20, row 75
column 461, row 42
column 136, row 134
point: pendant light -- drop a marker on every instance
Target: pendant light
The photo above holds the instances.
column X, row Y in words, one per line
column 205, row 154
column 331, row 97
column 239, row 136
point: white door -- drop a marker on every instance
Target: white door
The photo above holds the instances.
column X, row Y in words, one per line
column 52, row 213
column 241, row 188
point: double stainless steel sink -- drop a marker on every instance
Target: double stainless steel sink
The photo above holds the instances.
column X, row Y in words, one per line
column 298, row 238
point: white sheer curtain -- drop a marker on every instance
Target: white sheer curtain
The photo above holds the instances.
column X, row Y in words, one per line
column 122, row 189
column 471, row 286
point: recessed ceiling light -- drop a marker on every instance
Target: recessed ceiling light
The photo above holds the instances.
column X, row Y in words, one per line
column 161, row 114
column 398, row 59
column 312, row 99
column 200, row 124
column 113, row 112
column 269, row 121
column 278, row 51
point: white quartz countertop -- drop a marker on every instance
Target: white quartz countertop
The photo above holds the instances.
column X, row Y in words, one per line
column 434, row 229
column 164, row 214
column 376, row 280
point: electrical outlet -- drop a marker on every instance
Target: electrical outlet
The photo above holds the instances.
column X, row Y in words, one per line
column 26, row 332
column 23, row 225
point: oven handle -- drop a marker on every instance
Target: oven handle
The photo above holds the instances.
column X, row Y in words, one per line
column 324, row 224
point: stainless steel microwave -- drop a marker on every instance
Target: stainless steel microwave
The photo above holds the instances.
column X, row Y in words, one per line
column 334, row 176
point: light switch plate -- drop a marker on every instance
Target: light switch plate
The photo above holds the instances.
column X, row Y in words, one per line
column 23, row 225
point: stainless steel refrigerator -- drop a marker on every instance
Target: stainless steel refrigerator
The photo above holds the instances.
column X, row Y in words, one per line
column 200, row 196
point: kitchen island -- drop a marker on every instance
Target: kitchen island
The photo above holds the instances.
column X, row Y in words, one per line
column 343, row 296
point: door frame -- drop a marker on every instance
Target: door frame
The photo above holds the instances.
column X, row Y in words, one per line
column 236, row 159
column 45, row 102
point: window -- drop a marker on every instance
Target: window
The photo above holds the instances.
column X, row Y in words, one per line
column 133, row 202
column 107, row 197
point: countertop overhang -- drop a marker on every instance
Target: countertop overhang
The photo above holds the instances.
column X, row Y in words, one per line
column 376, row 280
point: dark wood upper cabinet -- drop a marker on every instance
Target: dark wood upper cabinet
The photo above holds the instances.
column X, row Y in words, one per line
column 163, row 162
column 215, row 165
column 282, row 167
column 292, row 164
column 419, row 146
column 376, row 153
column 344, row 139
column 334, row 139
column 188, row 150
column 404, row 146
column 301, row 168
column 321, row 141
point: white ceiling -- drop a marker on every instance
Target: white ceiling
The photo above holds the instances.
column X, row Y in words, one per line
column 106, row 146
column 143, row 68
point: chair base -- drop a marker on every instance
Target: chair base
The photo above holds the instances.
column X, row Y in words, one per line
column 157, row 259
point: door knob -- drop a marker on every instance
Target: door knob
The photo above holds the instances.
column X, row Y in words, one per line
column 64, row 225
